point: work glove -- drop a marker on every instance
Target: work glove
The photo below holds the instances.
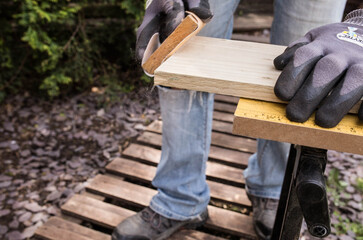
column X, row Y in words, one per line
column 323, row 71
column 163, row 16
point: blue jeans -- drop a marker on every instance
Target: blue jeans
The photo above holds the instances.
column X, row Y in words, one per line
column 292, row 19
column 187, row 119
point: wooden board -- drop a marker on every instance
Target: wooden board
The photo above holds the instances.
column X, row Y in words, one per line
column 225, row 117
column 223, row 107
column 267, row 120
column 109, row 186
column 108, row 215
column 226, row 99
column 234, row 68
column 188, row 28
column 222, row 155
column 218, row 139
column 59, row 229
column 214, row 170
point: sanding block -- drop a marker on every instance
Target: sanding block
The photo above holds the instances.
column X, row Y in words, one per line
column 156, row 54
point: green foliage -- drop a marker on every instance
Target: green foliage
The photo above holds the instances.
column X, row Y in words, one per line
column 346, row 225
column 360, row 184
column 59, row 46
column 335, row 188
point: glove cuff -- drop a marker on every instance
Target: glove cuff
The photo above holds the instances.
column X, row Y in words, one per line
column 355, row 17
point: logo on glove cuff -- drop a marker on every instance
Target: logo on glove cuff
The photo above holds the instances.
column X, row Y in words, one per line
column 351, row 36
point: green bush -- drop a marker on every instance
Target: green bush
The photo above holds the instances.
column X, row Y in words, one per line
column 60, row 46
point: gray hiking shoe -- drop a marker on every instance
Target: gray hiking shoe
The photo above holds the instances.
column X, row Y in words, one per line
column 264, row 214
column 149, row 225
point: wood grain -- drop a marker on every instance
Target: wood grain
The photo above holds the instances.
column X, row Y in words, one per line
column 220, row 116
column 234, row 68
column 59, row 229
column 187, row 27
column 95, row 211
column 267, row 120
column 108, row 215
column 136, row 170
column 109, row 186
column 218, row 139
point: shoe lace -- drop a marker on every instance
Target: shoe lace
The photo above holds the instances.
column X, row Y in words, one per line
column 156, row 221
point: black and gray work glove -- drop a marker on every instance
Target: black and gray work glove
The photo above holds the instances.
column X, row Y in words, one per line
column 323, row 71
column 163, row 16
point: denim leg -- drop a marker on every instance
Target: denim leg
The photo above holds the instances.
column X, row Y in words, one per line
column 187, row 124
column 292, row 19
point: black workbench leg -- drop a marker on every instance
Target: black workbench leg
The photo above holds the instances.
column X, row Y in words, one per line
column 289, row 216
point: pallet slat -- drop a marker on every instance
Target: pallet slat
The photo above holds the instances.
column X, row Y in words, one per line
column 226, row 99
column 135, row 169
column 108, row 215
column 218, row 139
column 221, row 116
column 95, row 211
column 219, row 218
column 227, row 156
column 224, row 107
column 55, row 233
column 146, row 173
column 59, row 229
column 219, row 126
column 152, row 155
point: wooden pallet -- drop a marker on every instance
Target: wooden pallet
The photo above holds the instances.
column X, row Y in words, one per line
column 126, row 187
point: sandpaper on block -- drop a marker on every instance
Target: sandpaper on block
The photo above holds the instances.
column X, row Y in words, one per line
column 156, row 54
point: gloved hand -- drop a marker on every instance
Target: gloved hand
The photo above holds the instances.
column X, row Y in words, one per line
column 163, row 16
column 323, row 71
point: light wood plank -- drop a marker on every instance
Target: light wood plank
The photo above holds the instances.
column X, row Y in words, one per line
column 247, row 69
column 55, row 233
column 218, row 139
column 267, row 120
column 104, row 214
column 156, row 127
column 98, row 197
column 225, row 107
column 59, row 229
column 225, row 173
column 234, row 142
column 219, row 218
column 222, row 127
column 132, row 169
column 136, row 170
column 234, row 68
column 226, row 99
column 127, row 192
column 221, row 116
column 237, row 224
column 152, row 155
column 114, row 188
column 95, row 211
column 231, row 157
column 218, row 126
column 143, row 153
